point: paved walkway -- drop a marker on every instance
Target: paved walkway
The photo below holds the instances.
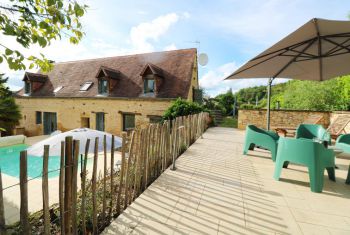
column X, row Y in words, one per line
column 217, row 190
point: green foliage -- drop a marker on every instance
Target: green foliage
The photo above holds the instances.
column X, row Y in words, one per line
column 214, row 104
column 182, row 107
column 227, row 101
column 247, row 106
column 38, row 23
column 329, row 95
column 9, row 111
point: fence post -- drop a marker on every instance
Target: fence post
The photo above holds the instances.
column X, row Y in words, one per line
column 104, row 180
column 93, row 187
column 112, row 180
column 144, row 158
column 121, row 171
column 127, row 169
column 2, row 212
column 83, row 185
column 68, row 184
column 23, row 181
column 174, row 152
column 60, row 189
column 75, row 186
column 45, row 190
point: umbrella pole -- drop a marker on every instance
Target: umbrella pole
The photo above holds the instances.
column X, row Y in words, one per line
column 268, row 102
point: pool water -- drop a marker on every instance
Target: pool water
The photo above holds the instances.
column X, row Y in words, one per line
column 9, row 162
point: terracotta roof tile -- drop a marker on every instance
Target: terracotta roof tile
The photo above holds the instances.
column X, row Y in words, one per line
column 175, row 66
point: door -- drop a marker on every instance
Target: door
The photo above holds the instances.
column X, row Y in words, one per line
column 50, row 123
column 100, row 121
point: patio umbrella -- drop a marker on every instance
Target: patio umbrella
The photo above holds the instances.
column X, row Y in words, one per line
column 317, row 51
column 81, row 134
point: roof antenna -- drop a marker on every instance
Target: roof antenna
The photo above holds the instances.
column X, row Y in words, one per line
column 202, row 57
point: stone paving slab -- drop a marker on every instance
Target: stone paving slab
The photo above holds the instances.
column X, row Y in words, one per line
column 217, row 190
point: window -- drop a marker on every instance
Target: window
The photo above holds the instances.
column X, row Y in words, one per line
column 100, row 121
column 38, row 117
column 102, row 87
column 148, row 85
column 155, row 119
column 128, row 121
column 27, row 87
column 86, row 86
column 57, row 89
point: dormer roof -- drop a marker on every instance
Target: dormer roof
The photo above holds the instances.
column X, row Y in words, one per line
column 107, row 72
column 153, row 69
column 35, row 77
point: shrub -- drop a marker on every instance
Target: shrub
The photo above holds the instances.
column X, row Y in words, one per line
column 182, row 107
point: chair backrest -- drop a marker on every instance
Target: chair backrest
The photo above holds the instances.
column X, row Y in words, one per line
column 313, row 119
column 262, row 131
column 310, row 131
column 338, row 125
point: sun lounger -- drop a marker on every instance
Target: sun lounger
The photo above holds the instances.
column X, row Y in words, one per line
column 337, row 127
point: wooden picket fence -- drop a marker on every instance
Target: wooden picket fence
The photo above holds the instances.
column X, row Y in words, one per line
column 145, row 154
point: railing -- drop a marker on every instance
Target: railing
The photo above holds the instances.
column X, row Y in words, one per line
column 145, row 154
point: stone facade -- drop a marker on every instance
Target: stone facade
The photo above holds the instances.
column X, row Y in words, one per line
column 70, row 112
column 279, row 118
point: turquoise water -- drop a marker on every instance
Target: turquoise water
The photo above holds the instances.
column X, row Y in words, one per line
column 9, row 162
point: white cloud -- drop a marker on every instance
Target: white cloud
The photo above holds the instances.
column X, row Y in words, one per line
column 213, row 81
column 170, row 47
column 142, row 34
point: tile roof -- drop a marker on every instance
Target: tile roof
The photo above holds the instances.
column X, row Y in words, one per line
column 175, row 67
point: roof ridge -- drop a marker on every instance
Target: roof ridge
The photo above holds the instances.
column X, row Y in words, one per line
column 130, row 55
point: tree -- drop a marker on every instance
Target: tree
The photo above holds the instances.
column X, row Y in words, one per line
column 9, row 111
column 38, row 22
column 227, row 100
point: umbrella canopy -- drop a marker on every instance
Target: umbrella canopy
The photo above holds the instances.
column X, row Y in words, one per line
column 81, row 134
column 317, row 51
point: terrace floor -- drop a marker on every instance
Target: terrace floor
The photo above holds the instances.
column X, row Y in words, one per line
column 217, row 190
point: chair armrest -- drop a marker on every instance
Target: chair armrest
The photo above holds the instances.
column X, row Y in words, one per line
column 344, row 139
column 273, row 134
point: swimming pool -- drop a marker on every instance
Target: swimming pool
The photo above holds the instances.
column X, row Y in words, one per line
column 9, row 162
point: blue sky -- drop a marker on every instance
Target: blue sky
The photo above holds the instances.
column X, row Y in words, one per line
column 229, row 31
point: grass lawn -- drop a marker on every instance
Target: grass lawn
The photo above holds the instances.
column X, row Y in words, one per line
column 229, row 122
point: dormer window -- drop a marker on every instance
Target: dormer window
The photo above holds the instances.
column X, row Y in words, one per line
column 148, row 85
column 27, row 88
column 152, row 77
column 103, row 87
column 107, row 79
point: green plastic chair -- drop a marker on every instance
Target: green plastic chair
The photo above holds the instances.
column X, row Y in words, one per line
column 311, row 131
column 343, row 142
column 309, row 153
column 255, row 136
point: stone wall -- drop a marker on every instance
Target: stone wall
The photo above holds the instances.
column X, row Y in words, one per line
column 71, row 111
column 279, row 118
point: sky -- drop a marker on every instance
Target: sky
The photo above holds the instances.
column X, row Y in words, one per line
column 230, row 32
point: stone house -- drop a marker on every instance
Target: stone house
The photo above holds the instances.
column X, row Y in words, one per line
column 111, row 94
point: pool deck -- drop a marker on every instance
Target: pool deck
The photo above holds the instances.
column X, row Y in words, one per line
column 217, row 190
